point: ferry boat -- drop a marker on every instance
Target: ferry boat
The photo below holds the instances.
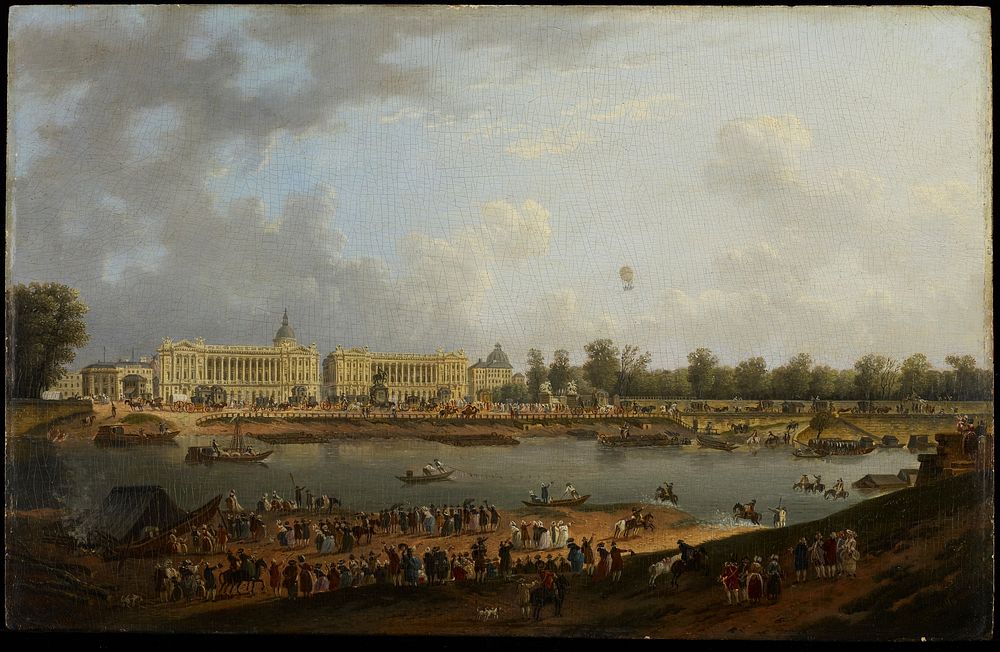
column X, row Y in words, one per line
column 115, row 434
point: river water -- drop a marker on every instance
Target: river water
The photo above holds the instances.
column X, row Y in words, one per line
column 362, row 474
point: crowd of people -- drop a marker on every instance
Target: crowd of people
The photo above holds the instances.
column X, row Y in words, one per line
column 748, row 581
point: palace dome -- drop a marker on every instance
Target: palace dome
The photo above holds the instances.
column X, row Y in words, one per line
column 497, row 359
column 285, row 334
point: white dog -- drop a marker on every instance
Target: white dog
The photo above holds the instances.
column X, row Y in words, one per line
column 489, row 613
column 131, row 601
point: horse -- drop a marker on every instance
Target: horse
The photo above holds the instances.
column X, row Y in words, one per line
column 698, row 561
column 663, row 496
column 833, row 494
column 324, row 502
column 740, row 512
column 540, row 597
column 234, row 579
column 661, row 567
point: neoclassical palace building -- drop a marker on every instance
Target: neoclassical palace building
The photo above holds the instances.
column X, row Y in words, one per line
column 350, row 373
column 286, row 371
column 484, row 377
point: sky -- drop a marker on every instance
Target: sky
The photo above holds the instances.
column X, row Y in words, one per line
column 407, row 179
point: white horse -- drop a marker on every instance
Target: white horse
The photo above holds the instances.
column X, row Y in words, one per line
column 619, row 529
column 661, row 567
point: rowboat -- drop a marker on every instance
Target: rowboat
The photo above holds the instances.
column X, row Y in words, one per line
column 159, row 544
column 569, row 502
column 718, row 444
column 410, row 478
column 116, row 435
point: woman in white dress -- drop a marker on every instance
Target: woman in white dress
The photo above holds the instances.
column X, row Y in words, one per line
column 515, row 535
column 849, row 555
column 545, row 541
column 563, row 534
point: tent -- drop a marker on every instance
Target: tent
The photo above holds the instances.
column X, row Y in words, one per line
column 127, row 511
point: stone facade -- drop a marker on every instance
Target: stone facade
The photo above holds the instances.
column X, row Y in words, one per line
column 117, row 380
column 484, row 377
column 69, row 385
column 440, row 376
column 222, row 373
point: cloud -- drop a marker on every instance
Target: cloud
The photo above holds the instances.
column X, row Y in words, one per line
column 760, row 154
column 636, row 110
column 551, row 142
column 517, row 234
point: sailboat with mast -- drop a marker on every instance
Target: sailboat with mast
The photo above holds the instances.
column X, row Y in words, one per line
column 238, row 451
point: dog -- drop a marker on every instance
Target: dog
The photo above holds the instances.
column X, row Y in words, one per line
column 131, row 601
column 489, row 613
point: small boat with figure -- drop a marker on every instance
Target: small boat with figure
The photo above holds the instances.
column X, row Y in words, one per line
column 116, row 435
column 569, row 502
column 238, row 451
column 432, row 473
column 718, row 444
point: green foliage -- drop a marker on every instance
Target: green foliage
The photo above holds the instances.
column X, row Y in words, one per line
column 701, row 371
column 751, row 378
column 602, row 365
column 537, row 372
column 876, row 376
column 630, row 364
column 821, row 421
column 559, row 370
column 511, row 391
column 913, row 375
column 48, row 327
column 792, row 379
column 724, row 385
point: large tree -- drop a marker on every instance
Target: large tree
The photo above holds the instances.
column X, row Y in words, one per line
column 965, row 374
column 559, row 370
column 45, row 324
column 701, row 371
column 631, row 363
column 914, row 375
column 876, row 376
column 823, row 382
column 751, row 378
column 602, row 364
column 724, row 383
column 537, row 372
column 515, row 392
column 792, row 379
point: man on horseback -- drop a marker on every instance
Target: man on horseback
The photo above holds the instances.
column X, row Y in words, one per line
column 687, row 551
column 804, row 481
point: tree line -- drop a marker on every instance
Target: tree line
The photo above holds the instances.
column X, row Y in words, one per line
column 624, row 371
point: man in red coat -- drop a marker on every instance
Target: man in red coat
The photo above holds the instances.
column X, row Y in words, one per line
column 730, row 579
column 830, row 555
column 617, row 563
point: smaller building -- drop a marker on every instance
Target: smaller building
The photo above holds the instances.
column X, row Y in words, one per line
column 124, row 379
column 484, row 377
column 905, row 478
column 69, row 386
column 519, row 379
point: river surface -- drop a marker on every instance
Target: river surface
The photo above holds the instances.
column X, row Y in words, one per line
column 362, row 474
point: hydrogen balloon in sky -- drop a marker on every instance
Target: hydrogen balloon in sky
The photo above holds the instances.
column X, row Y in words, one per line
column 627, row 275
